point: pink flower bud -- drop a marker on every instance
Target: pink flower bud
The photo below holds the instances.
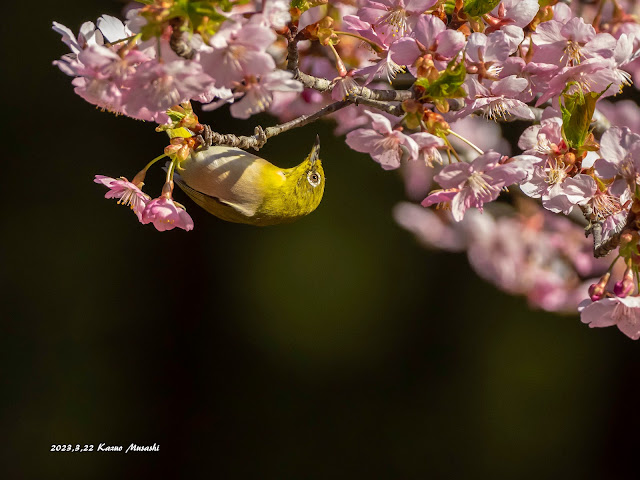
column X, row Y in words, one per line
column 597, row 290
column 625, row 286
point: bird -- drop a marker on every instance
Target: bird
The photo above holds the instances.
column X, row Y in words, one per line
column 237, row 186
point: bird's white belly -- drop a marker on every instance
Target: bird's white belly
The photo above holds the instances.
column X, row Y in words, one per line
column 229, row 174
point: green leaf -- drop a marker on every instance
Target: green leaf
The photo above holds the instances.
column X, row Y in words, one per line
column 577, row 113
column 476, row 8
column 449, row 6
column 301, row 5
column 447, row 85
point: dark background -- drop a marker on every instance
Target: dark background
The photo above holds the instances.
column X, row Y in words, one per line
column 334, row 347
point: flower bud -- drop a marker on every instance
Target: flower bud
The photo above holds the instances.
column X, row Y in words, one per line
column 569, row 158
column 412, row 106
column 625, row 286
column 597, row 290
column 629, row 238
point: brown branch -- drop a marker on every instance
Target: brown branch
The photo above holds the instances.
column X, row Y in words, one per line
column 324, row 85
column 601, row 247
column 261, row 135
column 393, row 109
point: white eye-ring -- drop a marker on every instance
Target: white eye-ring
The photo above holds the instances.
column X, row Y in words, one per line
column 314, row 178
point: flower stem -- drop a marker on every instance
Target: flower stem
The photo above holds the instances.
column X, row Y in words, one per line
column 468, row 142
column 342, row 70
column 613, row 263
column 373, row 45
column 170, row 170
column 153, row 161
column 451, row 149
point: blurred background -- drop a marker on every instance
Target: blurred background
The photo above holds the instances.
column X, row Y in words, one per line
column 334, row 347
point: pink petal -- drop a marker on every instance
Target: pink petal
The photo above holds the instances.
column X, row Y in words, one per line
column 379, row 122
column 454, row 175
column 598, row 314
column 439, row 196
column 509, row 87
column 450, row 43
column 486, row 161
column 363, row 140
column 427, row 29
column 419, row 6
column 579, row 189
column 404, row 51
column 576, row 29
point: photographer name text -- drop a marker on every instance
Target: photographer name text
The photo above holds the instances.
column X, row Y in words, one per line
column 104, row 447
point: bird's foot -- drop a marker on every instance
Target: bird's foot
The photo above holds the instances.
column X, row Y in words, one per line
column 260, row 136
column 205, row 139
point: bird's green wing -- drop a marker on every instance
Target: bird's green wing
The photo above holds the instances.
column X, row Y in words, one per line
column 231, row 175
column 224, row 210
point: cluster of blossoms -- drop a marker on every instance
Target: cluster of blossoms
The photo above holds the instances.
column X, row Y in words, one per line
column 420, row 85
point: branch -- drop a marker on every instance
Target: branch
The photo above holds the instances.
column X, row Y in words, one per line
column 602, row 247
column 261, row 136
column 324, row 85
column 395, row 110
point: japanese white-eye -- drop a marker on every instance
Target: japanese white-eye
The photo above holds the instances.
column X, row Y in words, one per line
column 237, row 186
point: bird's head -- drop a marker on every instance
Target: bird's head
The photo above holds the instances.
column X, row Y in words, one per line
column 304, row 184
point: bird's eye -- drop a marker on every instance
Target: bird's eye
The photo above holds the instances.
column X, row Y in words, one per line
column 314, row 178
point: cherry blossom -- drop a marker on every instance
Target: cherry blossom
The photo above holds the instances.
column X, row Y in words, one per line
column 499, row 101
column 431, row 37
column 382, row 142
column 157, row 86
column 126, row 192
column 165, row 214
column 620, row 152
column 239, row 50
column 258, row 93
column 473, row 184
column 394, row 17
column 570, row 43
column 622, row 312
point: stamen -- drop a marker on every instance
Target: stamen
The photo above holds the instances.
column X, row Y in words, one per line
column 479, row 185
column 544, row 147
column 557, row 173
column 494, row 70
column 398, row 19
column 605, row 205
column 573, row 52
column 387, row 143
column 497, row 110
column 391, row 69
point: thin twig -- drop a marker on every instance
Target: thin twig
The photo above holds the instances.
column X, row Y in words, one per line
column 393, row 109
column 261, row 135
column 305, row 119
column 325, row 85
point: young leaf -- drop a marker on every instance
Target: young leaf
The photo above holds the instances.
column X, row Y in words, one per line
column 476, row 8
column 447, row 85
column 577, row 113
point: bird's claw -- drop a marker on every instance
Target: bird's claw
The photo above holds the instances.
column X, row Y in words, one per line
column 260, row 136
column 202, row 145
column 205, row 139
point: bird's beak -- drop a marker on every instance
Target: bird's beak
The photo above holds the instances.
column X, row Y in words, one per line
column 315, row 151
